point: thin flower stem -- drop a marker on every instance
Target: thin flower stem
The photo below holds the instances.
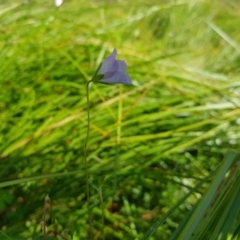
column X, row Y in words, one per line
column 85, row 159
column 103, row 216
column 44, row 217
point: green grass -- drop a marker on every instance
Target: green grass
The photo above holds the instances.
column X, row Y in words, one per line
column 150, row 144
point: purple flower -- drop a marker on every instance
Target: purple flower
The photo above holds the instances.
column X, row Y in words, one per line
column 114, row 71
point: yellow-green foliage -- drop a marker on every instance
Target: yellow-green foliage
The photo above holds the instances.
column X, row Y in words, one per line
column 149, row 144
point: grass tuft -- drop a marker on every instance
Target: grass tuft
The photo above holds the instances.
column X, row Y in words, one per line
column 150, row 144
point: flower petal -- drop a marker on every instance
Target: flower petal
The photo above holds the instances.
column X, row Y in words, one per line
column 116, row 77
column 110, row 64
column 122, row 66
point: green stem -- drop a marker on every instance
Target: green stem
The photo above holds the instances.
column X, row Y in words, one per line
column 85, row 158
column 103, row 216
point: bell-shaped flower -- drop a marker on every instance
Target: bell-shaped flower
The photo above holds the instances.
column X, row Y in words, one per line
column 113, row 71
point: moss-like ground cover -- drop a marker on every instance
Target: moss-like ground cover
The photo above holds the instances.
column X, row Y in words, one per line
column 150, row 143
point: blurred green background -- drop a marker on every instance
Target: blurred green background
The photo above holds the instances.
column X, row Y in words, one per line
column 149, row 143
